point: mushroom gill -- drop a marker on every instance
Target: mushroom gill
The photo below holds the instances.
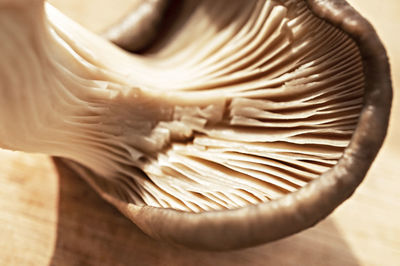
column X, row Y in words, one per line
column 239, row 103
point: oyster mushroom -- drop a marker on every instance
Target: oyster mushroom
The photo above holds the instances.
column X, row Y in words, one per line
column 247, row 121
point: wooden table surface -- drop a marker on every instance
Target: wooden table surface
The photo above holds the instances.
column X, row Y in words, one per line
column 49, row 216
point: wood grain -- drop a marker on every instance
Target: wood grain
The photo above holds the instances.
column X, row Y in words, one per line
column 49, row 216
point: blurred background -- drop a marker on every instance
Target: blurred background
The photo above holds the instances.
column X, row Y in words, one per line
column 48, row 216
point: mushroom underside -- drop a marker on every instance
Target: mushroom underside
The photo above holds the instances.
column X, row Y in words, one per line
column 285, row 92
column 240, row 102
column 277, row 95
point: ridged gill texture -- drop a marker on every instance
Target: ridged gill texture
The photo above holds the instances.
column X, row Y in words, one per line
column 239, row 103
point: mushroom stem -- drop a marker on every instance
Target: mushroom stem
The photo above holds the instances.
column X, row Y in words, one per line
column 61, row 98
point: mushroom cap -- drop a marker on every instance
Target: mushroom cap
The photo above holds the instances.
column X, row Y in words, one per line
column 268, row 221
column 139, row 28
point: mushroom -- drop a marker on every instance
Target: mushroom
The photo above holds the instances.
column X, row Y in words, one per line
column 244, row 122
